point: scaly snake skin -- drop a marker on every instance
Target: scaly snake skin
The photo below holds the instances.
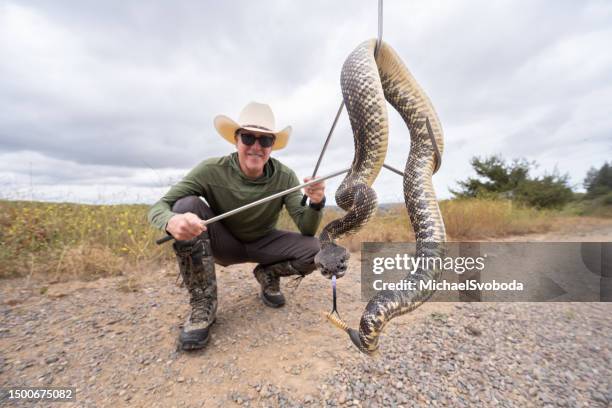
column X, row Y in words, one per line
column 366, row 82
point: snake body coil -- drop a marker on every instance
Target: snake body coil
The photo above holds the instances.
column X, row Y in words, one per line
column 366, row 82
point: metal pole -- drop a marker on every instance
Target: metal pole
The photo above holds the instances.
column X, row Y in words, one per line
column 331, row 131
column 258, row 202
column 380, row 27
column 314, row 173
column 329, row 135
column 393, row 169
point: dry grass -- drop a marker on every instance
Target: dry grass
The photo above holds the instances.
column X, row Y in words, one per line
column 471, row 219
column 129, row 284
column 483, row 219
column 392, row 225
column 86, row 262
column 68, row 241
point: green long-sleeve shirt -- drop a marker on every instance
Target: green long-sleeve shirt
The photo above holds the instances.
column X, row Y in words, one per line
column 221, row 182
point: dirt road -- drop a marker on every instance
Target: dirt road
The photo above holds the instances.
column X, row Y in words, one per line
column 114, row 340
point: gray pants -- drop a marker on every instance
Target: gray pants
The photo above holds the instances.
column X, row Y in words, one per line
column 275, row 247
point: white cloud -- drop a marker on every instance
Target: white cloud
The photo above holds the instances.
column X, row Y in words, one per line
column 115, row 97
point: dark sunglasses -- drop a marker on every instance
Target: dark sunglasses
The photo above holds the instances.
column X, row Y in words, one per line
column 249, row 139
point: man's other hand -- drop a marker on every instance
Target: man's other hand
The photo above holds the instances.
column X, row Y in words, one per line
column 316, row 191
column 185, row 226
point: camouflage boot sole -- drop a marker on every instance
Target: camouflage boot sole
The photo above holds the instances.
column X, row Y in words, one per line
column 194, row 339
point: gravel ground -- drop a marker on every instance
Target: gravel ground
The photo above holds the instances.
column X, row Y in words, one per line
column 511, row 355
column 116, row 353
column 115, row 341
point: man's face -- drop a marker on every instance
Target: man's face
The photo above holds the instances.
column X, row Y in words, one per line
column 251, row 154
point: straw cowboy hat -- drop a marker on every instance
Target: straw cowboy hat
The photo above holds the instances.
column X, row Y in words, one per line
column 257, row 117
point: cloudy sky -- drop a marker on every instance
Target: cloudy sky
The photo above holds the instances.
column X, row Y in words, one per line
column 112, row 101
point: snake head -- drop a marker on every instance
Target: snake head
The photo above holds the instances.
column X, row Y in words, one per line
column 332, row 260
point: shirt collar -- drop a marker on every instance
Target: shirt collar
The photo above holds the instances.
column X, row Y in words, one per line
column 268, row 170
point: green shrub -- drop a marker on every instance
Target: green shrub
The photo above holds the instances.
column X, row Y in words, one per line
column 598, row 182
column 550, row 191
column 498, row 179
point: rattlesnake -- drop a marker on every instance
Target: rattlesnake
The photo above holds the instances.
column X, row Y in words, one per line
column 366, row 82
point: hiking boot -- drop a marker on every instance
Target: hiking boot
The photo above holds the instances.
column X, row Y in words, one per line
column 269, row 276
column 197, row 269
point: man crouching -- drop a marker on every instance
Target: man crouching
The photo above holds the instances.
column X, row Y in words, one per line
column 226, row 183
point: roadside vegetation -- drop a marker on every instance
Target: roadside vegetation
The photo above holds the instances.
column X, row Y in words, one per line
column 498, row 179
column 76, row 241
